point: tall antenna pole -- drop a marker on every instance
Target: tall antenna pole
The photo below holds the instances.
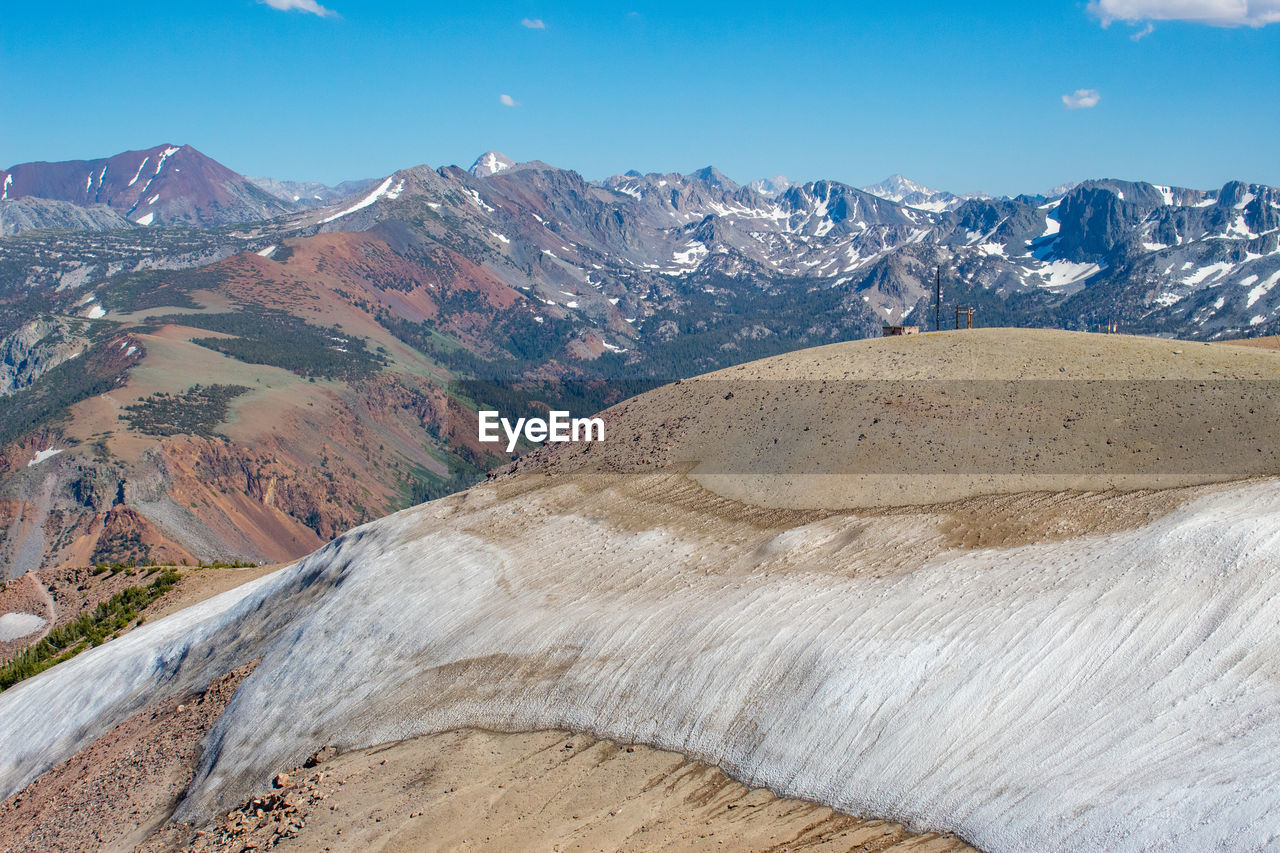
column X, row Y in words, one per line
column 937, row 301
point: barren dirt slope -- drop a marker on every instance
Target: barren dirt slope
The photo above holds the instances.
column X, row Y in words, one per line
column 939, row 417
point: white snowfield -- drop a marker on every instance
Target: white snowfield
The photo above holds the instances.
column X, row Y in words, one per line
column 16, row 625
column 1120, row 692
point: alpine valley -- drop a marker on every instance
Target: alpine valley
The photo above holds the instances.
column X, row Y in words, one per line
column 198, row 365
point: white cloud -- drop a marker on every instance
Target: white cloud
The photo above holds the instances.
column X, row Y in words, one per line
column 1081, row 99
column 533, row 24
column 508, row 101
column 1144, row 32
column 309, row 6
column 1216, row 13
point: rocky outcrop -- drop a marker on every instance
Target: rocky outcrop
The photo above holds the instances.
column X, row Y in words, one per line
column 30, row 214
column 31, row 350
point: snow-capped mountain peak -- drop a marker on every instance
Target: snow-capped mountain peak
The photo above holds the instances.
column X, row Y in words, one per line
column 896, row 188
column 904, row 191
column 490, row 163
column 1061, row 189
column 770, row 187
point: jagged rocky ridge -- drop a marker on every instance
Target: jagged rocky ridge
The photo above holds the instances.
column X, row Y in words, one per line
column 1148, row 258
column 632, row 255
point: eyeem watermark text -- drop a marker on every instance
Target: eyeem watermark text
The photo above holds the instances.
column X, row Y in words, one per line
column 557, row 426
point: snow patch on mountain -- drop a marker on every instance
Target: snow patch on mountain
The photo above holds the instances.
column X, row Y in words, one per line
column 934, row 697
column 895, row 188
column 138, row 174
column 490, row 163
column 363, row 203
column 770, row 187
column 42, row 455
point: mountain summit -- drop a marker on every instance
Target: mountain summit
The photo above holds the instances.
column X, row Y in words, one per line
column 490, row 163
column 770, row 187
column 898, row 187
column 166, row 184
column 713, row 176
column 903, row 190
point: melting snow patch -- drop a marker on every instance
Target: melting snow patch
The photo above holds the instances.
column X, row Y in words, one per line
column 146, row 219
column 1238, row 228
column 164, row 155
column 1211, row 271
column 1262, row 289
column 1122, row 670
column 42, row 455
column 1258, row 320
column 15, row 625
column 97, row 312
column 475, row 197
column 395, row 191
column 1063, row 273
column 931, row 206
column 139, row 172
column 361, row 205
column 692, row 255
column 267, row 252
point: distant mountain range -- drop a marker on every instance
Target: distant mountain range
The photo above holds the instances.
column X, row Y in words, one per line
column 314, row 362
column 1153, row 258
column 907, row 192
column 311, row 194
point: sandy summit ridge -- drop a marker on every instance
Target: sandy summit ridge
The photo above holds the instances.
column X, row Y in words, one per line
column 480, row 790
column 929, row 419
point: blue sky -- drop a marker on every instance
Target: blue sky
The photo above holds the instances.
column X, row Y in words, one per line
column 962, row 96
